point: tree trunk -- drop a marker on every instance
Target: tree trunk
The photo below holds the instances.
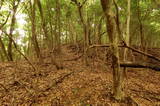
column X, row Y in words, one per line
column 49, row 9
column 13, row 20
column 58, row 27
column 34, row 36
column 142, row 38
column 3, row 49
column 71, row 30
column 107, row 6
column 99, row 36
column 127, row 38
column 44, row 25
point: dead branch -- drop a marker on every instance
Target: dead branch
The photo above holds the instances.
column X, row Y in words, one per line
column 143, row 53
column 103, row 33
column 140, row 65
column 80, row 5
column 15, row 45
column 60, row 80
column 131, row 48
column 5, row 21
column 83, row 3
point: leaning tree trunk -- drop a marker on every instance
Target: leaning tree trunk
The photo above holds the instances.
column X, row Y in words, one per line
column 107, row 6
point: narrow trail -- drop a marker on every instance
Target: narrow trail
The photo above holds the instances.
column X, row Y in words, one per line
column 68, row 53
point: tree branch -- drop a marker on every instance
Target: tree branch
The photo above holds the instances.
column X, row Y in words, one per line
column 5, row 21
column 143, row 53
column 15, row 45
column 140, row 65
column 131, row 48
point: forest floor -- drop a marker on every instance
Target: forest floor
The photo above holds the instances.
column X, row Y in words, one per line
column 74, row 85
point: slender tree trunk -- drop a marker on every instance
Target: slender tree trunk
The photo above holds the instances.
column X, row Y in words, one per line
column 58, row 27
column 50, row 22
column 13, row 20
column 56, row 51
column 142, row 41
column 71, row 31
column 85, row 28
column 89, row 29
column 1, row 42
column 44, row 24
column 127, row 37
column 107, row 6
column 99, row 31
column 1, row 57
column 34, row 36
column 3, row 49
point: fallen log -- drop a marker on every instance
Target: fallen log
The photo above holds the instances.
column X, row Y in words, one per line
column 140, row 65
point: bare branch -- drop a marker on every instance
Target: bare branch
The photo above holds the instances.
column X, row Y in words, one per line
column 131, row 48
column 140, row 65
column 143, row 53
column 5, row 21
column 80, row 5
column 15, row 45
column 83, row 3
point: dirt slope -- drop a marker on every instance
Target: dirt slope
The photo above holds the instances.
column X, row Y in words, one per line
column 74, row 85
